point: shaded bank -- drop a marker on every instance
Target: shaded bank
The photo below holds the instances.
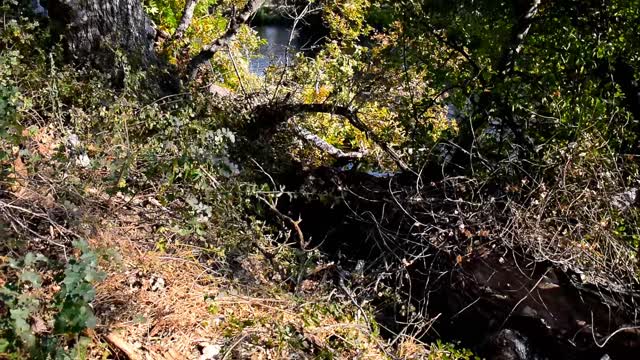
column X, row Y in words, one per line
column 496, row 300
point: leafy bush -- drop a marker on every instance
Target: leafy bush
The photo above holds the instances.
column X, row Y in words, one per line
column 33, row 320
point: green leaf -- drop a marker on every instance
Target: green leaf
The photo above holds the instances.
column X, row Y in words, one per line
column 93, row 275
column 4, row 345
column 22, row 327
column 81, row 245
column 29, row 259
column 32, row 277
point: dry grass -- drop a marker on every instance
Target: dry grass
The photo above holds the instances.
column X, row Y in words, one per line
column 582, row 222
column 171, row 300
column 197, row 304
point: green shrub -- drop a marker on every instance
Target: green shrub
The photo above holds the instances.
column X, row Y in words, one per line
column 34, row 322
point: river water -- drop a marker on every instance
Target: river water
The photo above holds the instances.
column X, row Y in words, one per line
column 277, row 37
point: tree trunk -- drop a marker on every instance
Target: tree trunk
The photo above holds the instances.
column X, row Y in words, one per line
column 94, row 29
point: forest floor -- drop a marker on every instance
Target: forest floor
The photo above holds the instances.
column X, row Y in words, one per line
column 237, row 289
column 176, row 302
column 166, row 296
column 163, row 299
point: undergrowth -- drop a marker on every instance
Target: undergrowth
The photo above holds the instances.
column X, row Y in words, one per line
column 76, row 153
column 37, row 291
column 98, row 161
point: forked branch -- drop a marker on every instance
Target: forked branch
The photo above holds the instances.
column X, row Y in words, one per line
column 236, row 22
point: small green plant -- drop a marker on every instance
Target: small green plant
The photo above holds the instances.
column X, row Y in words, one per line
column 18, row 302
column 41, row 326
column 74, row 299
column 9, row 132
column 448, row 351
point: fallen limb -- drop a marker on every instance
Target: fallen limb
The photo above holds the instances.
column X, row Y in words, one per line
column 271, row 115
column 323, row 145
column 118, row 342
column 294, row 224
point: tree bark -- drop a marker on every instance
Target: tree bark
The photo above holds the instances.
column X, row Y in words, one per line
column 323, row 145
column 518, row 34
column 185, row 21
column 271, row 115
column 94, row 29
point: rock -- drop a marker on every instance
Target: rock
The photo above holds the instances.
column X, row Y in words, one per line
column 134, row 280
column 209, row 352
column 74, row 141
column 218, row 320
column 157, row 283
column 508, row 344
column 83, row 160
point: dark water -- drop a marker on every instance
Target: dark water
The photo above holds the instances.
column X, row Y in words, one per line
column 277, row 36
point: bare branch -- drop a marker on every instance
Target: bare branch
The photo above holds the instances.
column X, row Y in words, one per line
column 296, row 19
column 518, row 33
column 208, row 51
column 185, row 21
column 323, row 145
column 294, row 224
column 235, row 68
column 278, row 114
